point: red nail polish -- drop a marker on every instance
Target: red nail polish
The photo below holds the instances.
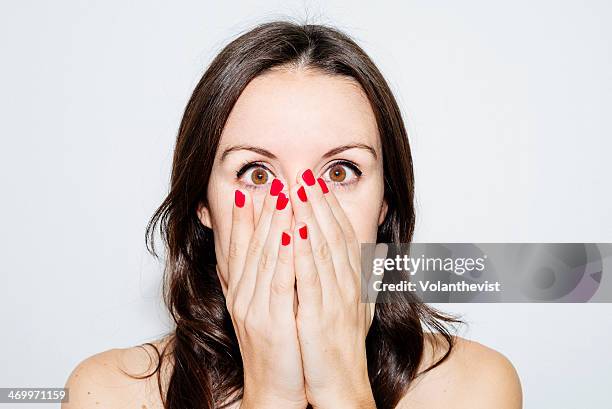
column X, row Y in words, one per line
column 285, row 239
column 308, row 177
column 303, row 232
column 323, row 185
column 281, row 202
column 276, row 187
column 302, row 194
column 239, row 198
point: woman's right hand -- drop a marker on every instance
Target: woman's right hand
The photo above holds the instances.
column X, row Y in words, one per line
column 260, row 297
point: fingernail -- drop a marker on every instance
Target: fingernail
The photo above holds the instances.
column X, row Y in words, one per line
column 323, row 185
column 239, row 198
column 281, row 202
column 276, row 187
column 308, row 177
column 303, row 232
column 302, row 194
column 285, row 239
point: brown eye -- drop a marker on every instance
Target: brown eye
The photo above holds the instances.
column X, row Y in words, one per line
column 337, row 173
column 342, row 173
column 259, row 176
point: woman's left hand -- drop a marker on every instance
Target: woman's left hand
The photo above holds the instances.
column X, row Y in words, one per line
column 332, row 322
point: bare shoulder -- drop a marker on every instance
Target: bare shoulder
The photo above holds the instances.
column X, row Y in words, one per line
column 111, row 379
column 473, row 376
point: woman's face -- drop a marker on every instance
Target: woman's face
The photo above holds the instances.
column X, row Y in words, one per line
column 285, row 122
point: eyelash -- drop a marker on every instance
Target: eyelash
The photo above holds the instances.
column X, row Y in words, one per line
column 248, row 166
column 353, row 167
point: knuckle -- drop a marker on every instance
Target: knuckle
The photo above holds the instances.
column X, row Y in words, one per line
column 336, row 236
column 283, row 259
column 350, row 235
column 322, row 251
column 281, row 287
column 255, row 246
column 266, row 262
column 310, row 279
column 233, row 250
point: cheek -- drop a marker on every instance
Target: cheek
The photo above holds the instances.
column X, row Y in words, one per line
column 363, row 212
column 221, row 202
column 362, row 205
column 222, row 227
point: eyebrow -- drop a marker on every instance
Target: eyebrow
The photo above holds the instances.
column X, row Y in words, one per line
column 343, row 148
column 268, row 154
column 256, row 149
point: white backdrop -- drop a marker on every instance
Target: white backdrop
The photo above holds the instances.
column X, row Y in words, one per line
column 508, row 110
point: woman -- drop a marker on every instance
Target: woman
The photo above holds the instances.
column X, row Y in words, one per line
column 291, row 152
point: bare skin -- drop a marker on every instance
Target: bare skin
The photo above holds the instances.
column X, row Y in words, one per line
column 472, row 370
column 285, row 122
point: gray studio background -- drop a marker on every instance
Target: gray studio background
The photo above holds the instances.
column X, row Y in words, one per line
column 508, row 110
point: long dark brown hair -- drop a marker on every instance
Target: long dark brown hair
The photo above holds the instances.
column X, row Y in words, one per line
column 207, row 369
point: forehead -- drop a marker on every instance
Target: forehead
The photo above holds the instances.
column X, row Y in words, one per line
column 301, row 109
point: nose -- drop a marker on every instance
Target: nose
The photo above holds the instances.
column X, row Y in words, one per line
column 294, row 175
column 292, row 179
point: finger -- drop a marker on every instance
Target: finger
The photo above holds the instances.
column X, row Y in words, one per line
column 334, row 236
column 282, row 287
column 281, row 220
column 380, row 252
column 352, row 243
column 368, row 294
column 222, row 280
column 255, row 248
column 240, row 236
column 369, row 273
column 320, row 250
column 307, row 278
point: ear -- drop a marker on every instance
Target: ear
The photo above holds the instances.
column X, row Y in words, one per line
column 204, row 215
column 383, row 212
